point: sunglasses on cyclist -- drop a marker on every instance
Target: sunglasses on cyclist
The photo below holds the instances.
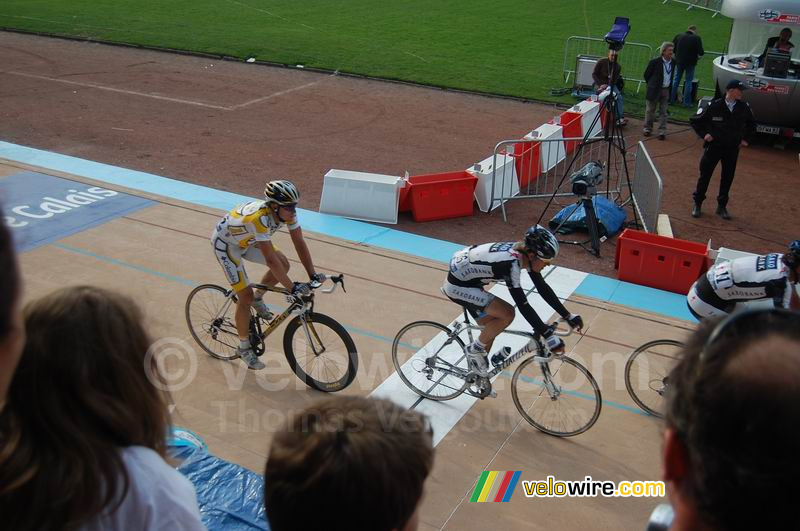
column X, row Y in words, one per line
column 290, row 208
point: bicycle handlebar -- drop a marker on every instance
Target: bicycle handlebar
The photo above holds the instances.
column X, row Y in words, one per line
column 338, row 279
column 562, row 331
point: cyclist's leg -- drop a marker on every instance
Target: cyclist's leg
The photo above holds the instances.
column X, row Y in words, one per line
column 269, row 277
column 498, row 315
column 254, row 254
column 490, row 312
column 230, row 258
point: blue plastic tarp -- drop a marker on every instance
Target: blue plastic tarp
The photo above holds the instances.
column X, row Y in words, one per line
column 230, row 496
column 610, row 217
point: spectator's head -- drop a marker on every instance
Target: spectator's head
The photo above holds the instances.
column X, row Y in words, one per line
column 733, row 424
column 348, row 463
column 692, row 28
column 85, row 387
column 12, row 331
column 667, row 48
column 786, row 34
column 612, row 54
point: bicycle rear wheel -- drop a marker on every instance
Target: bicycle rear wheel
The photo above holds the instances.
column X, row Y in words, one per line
column 428, row 360
column 213, row 329
column 560, row 397
column 646, row 373
column 320, row 352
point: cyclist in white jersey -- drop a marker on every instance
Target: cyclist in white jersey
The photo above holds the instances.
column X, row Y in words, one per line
column 472, row 268
column 246, row 233
column 729, row 284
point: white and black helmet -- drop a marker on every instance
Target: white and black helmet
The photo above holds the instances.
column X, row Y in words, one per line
column 541, row 241
column 281, row 192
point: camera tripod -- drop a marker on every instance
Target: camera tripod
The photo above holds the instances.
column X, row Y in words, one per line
column 615, row 142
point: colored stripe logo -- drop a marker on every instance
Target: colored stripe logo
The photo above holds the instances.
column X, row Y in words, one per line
column 494, row 486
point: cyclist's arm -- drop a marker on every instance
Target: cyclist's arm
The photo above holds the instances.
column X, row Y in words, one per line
column 549, row 296
column 274, row 263
column 302, row 250
column 527, row 311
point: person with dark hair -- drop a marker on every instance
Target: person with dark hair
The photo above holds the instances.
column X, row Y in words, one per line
column 781, row 42
column 608, row 72
column 349, row 463
column 12, row 330
column 729, row 285
column 658, row 76
column 733, row 425
column 724, row 125
column 84, row 429
column 688, row 50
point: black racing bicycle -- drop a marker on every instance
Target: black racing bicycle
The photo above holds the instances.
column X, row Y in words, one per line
column 319, row 349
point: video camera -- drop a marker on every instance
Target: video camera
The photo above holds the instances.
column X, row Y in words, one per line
column 585, row 181
column 619, row 31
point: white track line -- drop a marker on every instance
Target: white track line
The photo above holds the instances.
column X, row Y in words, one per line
column 445, row 415
column 167, row 98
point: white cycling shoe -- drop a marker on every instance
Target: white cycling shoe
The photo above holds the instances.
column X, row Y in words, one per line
column 250, row 358
column 477, row 362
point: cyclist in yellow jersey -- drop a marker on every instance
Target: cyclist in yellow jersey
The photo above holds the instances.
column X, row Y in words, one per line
column 246, row 233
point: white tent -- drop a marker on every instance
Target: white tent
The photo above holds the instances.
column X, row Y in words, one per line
column 755, row 21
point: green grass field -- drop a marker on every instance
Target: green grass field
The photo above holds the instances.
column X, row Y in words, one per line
column 511, row 47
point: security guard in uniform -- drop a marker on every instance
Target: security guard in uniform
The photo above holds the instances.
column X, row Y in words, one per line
column 724, row 125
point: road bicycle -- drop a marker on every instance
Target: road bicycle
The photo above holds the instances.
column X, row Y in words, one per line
column 647, row 373
column 554, row 393
column 319, row 350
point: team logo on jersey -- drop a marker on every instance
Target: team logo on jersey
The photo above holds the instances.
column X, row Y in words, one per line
column 769, row 261
column 501, row 247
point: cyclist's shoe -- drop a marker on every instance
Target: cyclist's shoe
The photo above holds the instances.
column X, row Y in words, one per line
column 261, row 309
column 250, row 358
column 476, row 360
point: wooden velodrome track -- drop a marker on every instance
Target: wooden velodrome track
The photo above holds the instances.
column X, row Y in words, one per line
column 156, row 248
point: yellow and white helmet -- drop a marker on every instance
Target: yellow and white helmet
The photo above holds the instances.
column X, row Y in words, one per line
column 281, row 192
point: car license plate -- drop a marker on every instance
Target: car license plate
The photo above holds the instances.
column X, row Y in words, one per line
column 769, row 129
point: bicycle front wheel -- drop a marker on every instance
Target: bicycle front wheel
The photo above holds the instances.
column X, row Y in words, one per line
column 428, row 360
column 210, row 315
column 646, row 373
column 560, row 397
column 320, row 352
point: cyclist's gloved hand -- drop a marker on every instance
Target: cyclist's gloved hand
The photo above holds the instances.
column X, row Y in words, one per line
column 300, row 289
column 553, row 342
column 318, row 278
column 574, row 321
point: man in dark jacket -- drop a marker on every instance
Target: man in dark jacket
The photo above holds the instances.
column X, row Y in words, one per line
column 688, row 49
column 724, row 125
column 609, row 72
column 781, row 42
column 658, row 76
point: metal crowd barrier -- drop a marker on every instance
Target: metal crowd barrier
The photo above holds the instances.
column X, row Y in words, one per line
column 708, row 5
column 541, row 169
column 647, row 188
